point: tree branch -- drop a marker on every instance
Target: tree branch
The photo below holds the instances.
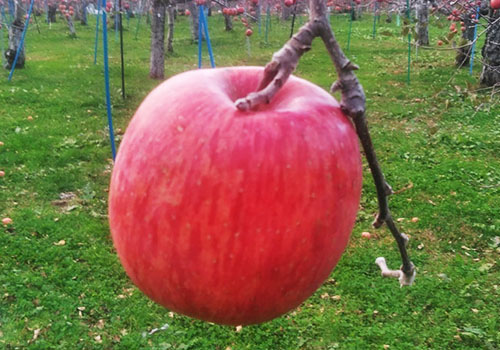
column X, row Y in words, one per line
column 353, row 99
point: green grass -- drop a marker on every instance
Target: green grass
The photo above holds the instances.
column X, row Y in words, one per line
column 62, row 286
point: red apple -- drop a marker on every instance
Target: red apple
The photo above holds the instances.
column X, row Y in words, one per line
column 288, row 3
column 187, row 12
column 248, row 32
column 228, row 216
column 495, row 4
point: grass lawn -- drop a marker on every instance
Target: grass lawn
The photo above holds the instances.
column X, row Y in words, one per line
column 438, row 139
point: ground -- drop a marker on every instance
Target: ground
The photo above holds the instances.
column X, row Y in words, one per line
column 438, row 139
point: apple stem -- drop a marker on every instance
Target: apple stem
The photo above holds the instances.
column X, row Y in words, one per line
column 276, row 73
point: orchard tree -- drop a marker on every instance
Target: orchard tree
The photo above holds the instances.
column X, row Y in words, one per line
column 490, row 75
column 228, row 23
column 280, row 68
column 157, row 62
column 422, row 27
column 52, row 12
column 67, row 11
column 193, row 13
column 15, row 34
column 171, row 20
column 462, row 15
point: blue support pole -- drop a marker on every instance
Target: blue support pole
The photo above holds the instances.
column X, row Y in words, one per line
column 203, row 28
column 207, row 37
column 200, row 35
column 473, row 49
column 21, row 43
column 97, row 31
column 2, row 11
column 11, row 9
column 106, row 81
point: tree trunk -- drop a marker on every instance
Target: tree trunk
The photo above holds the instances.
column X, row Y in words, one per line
column 157, row 63
column 462, row 58
column 194, row 19
column 71, row 27
column 286, row 11
column 83, row 20
column 78, row 10
column 171, row 19
column 491, row 53
column 422, row 23
column 52, row 13
column 15, row 34
column 255, row 11
column 228, row 23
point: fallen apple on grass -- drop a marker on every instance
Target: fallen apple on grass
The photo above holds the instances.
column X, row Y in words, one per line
column 228, row 216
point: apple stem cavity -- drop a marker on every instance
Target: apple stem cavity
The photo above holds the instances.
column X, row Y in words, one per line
column 282, row 65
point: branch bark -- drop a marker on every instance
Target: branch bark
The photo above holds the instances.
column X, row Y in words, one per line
column 283, row 64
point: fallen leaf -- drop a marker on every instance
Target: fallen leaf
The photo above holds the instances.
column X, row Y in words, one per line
column 415, row 219
column 324, row 296
column 485, row 267
column 61, row 242
column 100, row 324
column 238, row 329
column 98, row 339
column 406, row 188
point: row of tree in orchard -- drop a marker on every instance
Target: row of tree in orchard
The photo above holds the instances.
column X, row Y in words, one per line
column 466, row 18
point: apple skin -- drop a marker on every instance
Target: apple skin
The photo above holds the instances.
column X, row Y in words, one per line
column 495, row 4
column 234, row 217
